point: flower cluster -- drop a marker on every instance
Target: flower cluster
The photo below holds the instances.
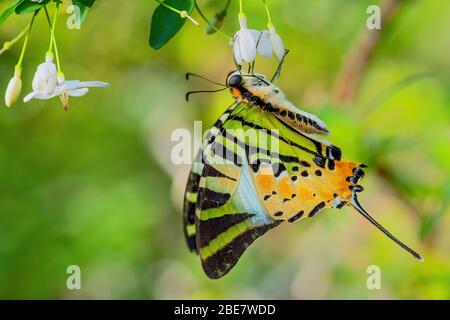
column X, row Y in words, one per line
column 247, row 43
column 49, row 80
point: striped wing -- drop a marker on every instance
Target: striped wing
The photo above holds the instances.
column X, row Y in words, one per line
column 297, row 175
column 192, row 186
column 256, row 172
column 221, row 201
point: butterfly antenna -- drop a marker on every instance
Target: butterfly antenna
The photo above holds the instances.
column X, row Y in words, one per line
column 203, row 91
column 355, row 203
column 189, row 74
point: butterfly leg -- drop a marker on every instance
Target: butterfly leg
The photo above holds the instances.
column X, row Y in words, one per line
column 280, row 65
column 251, row 66
column 238, row 66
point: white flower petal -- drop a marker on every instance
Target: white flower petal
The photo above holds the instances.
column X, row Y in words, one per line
column 237, row 53
column 70, row 84
column 247, row 46
column 277, row 44
column 39, row 96
column 28, row 97
column 78, row 92
column 44, row 96
column 94, row 84
column 264, row 46
column 46, row 77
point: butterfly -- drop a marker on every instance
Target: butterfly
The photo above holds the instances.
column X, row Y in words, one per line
column 261, row 164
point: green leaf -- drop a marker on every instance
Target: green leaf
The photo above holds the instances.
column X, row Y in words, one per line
column 28, row 6
column 8, row 11
column 84, row 8
column 166, row 23
column 85, row 3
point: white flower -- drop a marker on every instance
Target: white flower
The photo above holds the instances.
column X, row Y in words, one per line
column 38, row 1
column 14, row 89
column 244, row 48
column 263, row 44
column 46, row 77
column 277, row 43
column 248, row 42
column 64, row 89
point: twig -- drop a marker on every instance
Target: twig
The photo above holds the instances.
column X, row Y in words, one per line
column 359, row 56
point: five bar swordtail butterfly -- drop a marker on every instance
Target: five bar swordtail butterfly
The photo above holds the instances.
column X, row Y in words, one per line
column 262, row 163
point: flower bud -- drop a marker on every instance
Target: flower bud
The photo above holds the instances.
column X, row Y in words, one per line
column 13, row 90
column 215, row 23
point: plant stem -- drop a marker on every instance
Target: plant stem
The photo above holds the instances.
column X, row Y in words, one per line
column 269, row 19
column 361, row 53
column 53, row 39
column 52, row 30
column 25, row 43
column 8, row 44
column 227, row 6
column 169, row 7
column 183, row 14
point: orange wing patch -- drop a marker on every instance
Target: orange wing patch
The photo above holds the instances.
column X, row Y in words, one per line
column 294, row 195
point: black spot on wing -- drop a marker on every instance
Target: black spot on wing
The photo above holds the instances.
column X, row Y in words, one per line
column 340, row 204
column 319, row 161
column 331, row 164
column 278, row 169
column 296, row 217
column 305, row 164
column 333, row 152
column 316, row 209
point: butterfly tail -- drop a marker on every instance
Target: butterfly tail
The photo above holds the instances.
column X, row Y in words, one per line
column 357, row 206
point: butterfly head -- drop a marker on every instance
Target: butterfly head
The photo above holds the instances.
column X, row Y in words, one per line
column 244, row 86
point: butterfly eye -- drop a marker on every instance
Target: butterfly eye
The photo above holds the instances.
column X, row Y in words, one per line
column 235, row 80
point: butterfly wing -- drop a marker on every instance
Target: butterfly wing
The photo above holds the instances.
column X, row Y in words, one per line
column 228, row 215
column 256, row 171
column 190, row 200
column 191, row 191
column 295, row 175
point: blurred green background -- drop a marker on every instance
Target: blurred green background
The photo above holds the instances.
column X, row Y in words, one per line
column 95, row 186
